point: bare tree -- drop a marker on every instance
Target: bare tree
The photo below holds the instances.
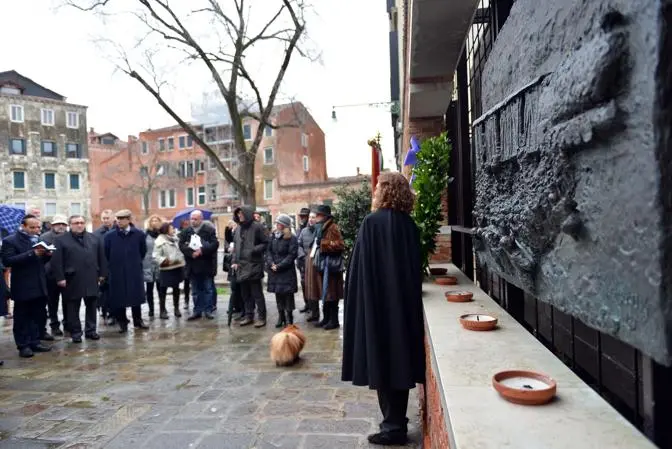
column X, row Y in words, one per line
column 224, row 53
column 136, row 173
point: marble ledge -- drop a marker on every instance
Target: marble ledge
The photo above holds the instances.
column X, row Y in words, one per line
column 477, row 417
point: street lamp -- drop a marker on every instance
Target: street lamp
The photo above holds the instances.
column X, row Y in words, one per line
column 392, row 106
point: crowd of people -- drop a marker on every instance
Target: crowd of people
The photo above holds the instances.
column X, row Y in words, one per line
column 120, row 266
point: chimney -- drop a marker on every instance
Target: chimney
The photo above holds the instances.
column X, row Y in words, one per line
column 91, row 130
column 357, row 171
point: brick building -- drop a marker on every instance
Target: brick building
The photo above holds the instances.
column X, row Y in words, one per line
column 43, row 148
column 163, row 171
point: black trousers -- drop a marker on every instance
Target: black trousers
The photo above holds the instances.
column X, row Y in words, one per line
column 163, row 293
column 27, row 320
column 43, row 315
column 393, row 405
column 149, row 294
column 284, row 301
column 55, row 293
column 136, row 311
column 103, row 301
column 90, row 318
column 253, row 295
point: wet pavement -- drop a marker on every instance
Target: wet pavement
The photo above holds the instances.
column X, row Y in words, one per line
column 184, row 385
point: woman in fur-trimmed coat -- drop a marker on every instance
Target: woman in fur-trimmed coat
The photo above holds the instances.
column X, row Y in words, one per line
column 329, row 240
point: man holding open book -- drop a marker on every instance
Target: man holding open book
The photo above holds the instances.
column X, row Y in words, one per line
column 26, row 256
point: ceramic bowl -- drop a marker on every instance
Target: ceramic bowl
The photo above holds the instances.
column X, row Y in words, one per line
column 524, row 387
column 446, row 280
column 459, row 296
column 478, row 322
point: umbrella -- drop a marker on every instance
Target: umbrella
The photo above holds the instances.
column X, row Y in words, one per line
column 10, row 217
column 185, row 214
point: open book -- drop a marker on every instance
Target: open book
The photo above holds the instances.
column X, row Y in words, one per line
column 45, row 245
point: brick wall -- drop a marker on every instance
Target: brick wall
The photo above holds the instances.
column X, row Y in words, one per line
column 443, row 252
column 292, row 198
column 435, row 434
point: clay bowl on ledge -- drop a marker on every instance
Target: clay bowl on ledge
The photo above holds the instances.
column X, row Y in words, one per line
column 478, row 322
column 438, row 271
column 446, row 280
column 524, row 387
column 459, row 296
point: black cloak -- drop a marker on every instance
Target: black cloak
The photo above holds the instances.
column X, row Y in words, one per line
column 383, row 336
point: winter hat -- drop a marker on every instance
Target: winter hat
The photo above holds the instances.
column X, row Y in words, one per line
column 304, row 212
column 284, row 220
column 323, row 210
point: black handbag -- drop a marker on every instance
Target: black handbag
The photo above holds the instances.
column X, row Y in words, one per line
column 334, row 263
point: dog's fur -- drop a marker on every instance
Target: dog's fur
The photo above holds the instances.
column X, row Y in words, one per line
column 286, row 346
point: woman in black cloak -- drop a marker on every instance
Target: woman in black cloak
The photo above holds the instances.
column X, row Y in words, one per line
column 383, row 345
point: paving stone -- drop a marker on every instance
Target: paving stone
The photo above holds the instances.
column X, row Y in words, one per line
column 362, row 410
column 228, row 441
column 279, row 425
column 332, row 442
column 172, row 440
column 279, row 442
column 184, row 385
column 335, row 426
column 28, row 444
column 192, row 424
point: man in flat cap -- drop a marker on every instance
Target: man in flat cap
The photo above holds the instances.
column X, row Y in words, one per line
column 59, row 225
column 125, row 248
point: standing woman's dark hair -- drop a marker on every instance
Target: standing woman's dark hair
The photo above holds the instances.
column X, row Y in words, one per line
column 383, row 337
column 165, row 228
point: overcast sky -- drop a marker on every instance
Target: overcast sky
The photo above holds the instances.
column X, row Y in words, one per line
column 56, row 47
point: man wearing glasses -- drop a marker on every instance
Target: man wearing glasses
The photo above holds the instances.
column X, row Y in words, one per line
column 79, row 266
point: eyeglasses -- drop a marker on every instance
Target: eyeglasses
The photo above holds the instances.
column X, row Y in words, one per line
column 78, row 222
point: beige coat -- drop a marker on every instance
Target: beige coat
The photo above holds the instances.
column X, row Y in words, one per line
column 167, row 248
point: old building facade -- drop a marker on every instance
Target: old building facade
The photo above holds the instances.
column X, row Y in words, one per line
column 43, row 149
column 163, row 171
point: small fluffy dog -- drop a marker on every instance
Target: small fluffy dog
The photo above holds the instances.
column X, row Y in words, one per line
column 286, row 346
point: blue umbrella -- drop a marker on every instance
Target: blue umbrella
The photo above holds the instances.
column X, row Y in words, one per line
column 10, row 217
column 184, row 214
column 411, row 156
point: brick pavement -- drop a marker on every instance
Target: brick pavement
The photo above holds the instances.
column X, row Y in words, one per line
column 186, row 386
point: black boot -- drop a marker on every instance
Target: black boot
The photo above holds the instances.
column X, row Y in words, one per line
column 333, row 316
column 290, row 317
column 282, row 321
column 164, row 312
column 176, row 306
column 314, row 311
column 306, row 307
column 325, row 314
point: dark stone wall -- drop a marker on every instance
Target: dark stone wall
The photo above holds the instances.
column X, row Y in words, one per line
column 572, row 163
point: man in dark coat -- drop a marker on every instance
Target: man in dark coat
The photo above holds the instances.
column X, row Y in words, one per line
column 28, row 284
column 306, row 237
column 59, row 225
column 107, row 219
column 125, row 248
column 199, row 245
column 78, row 266
column 250, row 242
column 383, row 338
